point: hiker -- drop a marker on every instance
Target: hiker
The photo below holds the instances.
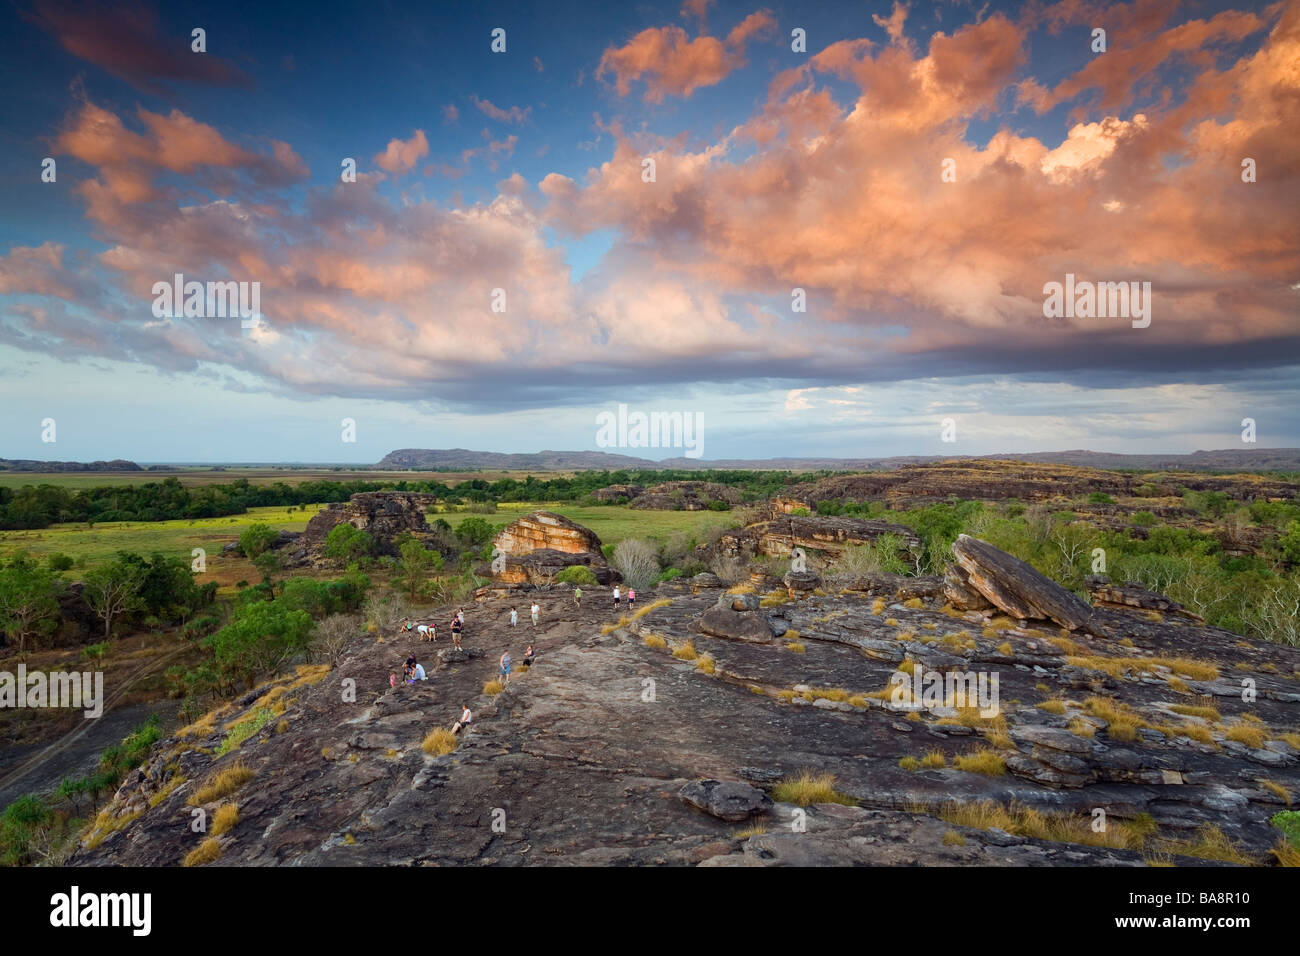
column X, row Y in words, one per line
column 505, row 666
column 631, row 598
column 577, row 598
column 617, row 597
column 514, row 617
column 426, row 632
column 407, row 626
column 528, row 656
column 455, row 631
column 465, row 718
column 536, row 610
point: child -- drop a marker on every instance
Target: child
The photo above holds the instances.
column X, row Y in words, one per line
column 514, row 617
column 392, row 679
column 631, row 598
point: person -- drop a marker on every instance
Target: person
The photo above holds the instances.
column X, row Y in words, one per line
column 505, row 666
column 528, row 656
column 577, row 597
column 408, row 625
column 455, row 631
column 536, row 610
column 465, row 718
column 392, row 679
column 514, row 617
column 423, row 631
column 408, row 672
column 617, row 597
column 460, row 616
column 631, row 598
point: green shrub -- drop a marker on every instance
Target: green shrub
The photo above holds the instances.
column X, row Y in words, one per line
column 577, row 574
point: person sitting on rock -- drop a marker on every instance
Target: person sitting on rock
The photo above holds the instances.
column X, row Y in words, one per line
column 418, row 673
column 528, row 656
column 408, row 671
column 465, row 718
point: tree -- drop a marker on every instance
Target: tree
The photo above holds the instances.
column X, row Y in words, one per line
column 28, row 606
column 347, row 543
column 268, row 562
column 256, row 539
column 415, row 564
column 263, row 635
column 114, row 589
column 637, row 561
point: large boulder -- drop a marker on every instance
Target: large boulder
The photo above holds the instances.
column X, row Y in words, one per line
column 547, row 530
column 384, row 515
column 1017, row 589
column 726, row 799
column 737, row 617
column 539, row 568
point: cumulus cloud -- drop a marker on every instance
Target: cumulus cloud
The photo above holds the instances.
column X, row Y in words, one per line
column 401, row 156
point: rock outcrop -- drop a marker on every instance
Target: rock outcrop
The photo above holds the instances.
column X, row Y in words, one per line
column 546, row 530
column 384, row 515
column 814, row 535
column 1014, row 587
column 1105, row 594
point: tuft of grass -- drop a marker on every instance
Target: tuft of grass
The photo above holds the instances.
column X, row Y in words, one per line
column 1246, row 734
column 1055, row 706
column 685, row 652
column 797, row 646
column 222, row 784
column 646, row 609
column 167, row 789
column 225, row 818
column 653, row 640
column 1179, row 685
column 934, row 760
column 493, row 687
column 1276, row 788
column 1055, row 827
column 984, row 760
column 1291, row 739
column 892, row 621
column 282, row 726
column 1209, row 843
column 1123, row 721
column 1120, row 667
column 745, row 833
column 877, row 605
column 705, row 664
column 910, row 763
column 806, row 788
column 913, row 603
column 1081, row 728
column 243, row 728
column 439, row 742
column 1005, row 649
column 206, row 852
column 1206, row 713
column 953, row 838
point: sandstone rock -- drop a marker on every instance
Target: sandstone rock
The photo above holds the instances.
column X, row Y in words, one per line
column 802, row 583
column 741, row 602
column 722, row 621
column 539, row 568
column 727, row 800
column 957, row 590
column 382, row 514
column 1105, row 594
column 705, row 579
column 547, row 530
column 831, row 535
column 1016, row 588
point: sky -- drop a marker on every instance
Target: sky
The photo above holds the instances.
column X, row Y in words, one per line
column 820, row 229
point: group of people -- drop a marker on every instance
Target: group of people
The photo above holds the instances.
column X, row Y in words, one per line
column 429, row 632
column 535, row 611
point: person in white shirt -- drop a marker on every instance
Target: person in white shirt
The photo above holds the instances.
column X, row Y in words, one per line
column 616, row 596
column 419, row 672
column 465, row 718
column 536, row 610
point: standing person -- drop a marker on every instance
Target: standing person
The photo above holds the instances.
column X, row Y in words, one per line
column 535, row 610
column 577, row 597
column 460, row 615
column 631, row 598
column 505, row 666
column 514, row 617
column 617, row 597
column 465, row 718
column 455, row 631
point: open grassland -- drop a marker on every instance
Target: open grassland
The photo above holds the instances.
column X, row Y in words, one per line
column 102, row 541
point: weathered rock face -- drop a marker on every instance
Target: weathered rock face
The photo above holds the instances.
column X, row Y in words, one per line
column 382, row 514
column 612, row 494
column 726, row 799
column 959, row 592
column 781, row 536
column 539, row 568
column 1105, row 594
column 737, row 617
column 1014, row 587
column 547, row 530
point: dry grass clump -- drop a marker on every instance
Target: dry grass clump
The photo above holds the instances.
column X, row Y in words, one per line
column 756, row 829
column 1246, row 734
column 877, row 605
column 891, row 621
column 1205, row 713
column 439, row 742
column 167, row 789
column 222, row 784
column 806, row 788
column 797, row 646
column 493, row 687
column 227, row 816
column 1005, row 649
column 1276, row 788
column 1120, row 667
column 984, row 760
column 1209, row 843
column 1056, row 827
column 685, row 652
column 913, row 603
column 652, row 640
column 205, row 852
column 706, row 664
column 646, row 609
column 1080, row 727
column 1054, row 706
column 1123, row 721
column 910, row 763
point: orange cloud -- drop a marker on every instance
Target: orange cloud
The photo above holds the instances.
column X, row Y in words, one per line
column 401, row 156
column 670, row 63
